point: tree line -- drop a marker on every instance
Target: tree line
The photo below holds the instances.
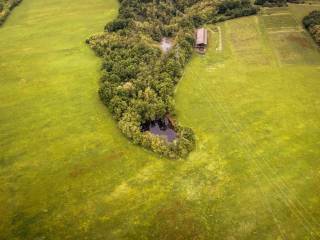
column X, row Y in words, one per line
column 6, row 6
column 138, row 79
column 276, row 3
column 312, row 24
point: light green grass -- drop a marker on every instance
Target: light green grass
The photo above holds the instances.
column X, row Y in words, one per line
column 283, row 20
column 257, row 115
column 300, row 12
column 67, row 173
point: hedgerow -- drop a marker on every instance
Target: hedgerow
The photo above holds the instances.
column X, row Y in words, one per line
column 276, row 3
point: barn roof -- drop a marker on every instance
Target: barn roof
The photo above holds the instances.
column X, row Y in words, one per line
column 202, row 36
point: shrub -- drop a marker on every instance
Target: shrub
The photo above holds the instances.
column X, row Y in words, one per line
column 116, row 25
column 315, row 32
column 312, row 19
column 312, row 24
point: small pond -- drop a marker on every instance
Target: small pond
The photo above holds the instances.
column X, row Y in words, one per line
column 161, row 127
column 166, row 44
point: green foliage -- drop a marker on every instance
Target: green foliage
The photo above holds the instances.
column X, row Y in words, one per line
column 6, row 6
column 296, row 1
column 236, row 9
column 312, row 19
column 138, row 79
column 315, row 32
column 276, row 3
column 271, row 3
column 312, row 24
column 117, row 24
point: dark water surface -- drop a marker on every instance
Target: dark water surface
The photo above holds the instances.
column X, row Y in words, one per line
column 161, row 127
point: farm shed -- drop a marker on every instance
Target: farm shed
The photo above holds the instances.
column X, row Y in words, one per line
column 201, row 39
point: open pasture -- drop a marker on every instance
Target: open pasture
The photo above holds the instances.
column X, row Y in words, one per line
column 66, row 172
column 290, row 42
column 246, row 41
column 295, row 48
column 260, row 120
column 300, row 12
column 279, row 21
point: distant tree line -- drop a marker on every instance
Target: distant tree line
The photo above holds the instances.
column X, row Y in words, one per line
column 229, row 9
column 138, row 79
column 312, row 24
column 276, row 3
column 6, row 7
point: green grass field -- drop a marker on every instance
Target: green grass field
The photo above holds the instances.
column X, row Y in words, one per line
column 66, row 172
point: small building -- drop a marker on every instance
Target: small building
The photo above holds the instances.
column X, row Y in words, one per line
column 201, row 39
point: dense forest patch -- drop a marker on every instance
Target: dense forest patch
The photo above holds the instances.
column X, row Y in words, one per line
column 138, row 79
column 312, row 24
column 6, row 7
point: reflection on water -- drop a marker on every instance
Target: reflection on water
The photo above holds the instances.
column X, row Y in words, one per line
column 161, row 127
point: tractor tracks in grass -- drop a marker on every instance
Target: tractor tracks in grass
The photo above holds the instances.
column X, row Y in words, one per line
column 285, row 30
column 228, row 123
column 264, row 169
column 275, row 14
column 219, row 47
column 295, row 206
